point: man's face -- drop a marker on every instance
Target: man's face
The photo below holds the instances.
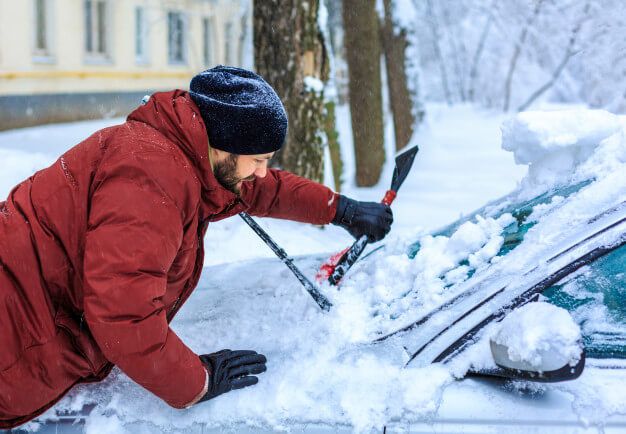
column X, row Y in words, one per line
column 231, row 170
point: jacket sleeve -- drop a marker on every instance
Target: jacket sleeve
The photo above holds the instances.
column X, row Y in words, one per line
column 284, row 195
column 134, row 233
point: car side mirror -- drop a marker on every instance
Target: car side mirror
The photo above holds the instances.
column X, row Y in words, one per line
column 538, row 342
column 553, row 367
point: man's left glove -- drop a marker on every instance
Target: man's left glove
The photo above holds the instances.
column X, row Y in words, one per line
column 363, row 218
column 229, row 370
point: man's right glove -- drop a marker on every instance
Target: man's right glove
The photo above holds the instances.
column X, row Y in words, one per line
column 363, row 218
column 229, row 370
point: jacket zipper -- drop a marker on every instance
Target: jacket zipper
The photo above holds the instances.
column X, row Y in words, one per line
column 203, row 224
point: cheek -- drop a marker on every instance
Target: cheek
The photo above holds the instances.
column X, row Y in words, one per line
column 250, row 169
column 246, row 169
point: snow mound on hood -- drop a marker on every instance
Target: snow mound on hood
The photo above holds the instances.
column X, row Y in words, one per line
column 555, row 144
column 536, row 329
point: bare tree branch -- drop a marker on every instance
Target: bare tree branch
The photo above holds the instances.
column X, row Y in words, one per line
column 516, row 53
column 569, row 53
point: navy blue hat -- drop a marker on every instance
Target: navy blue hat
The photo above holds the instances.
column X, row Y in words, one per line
column 242, row 113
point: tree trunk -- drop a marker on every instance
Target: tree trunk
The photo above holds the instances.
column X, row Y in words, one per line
column 394, row 47
column 363, row 51
column 288, row 46
column 333, row 145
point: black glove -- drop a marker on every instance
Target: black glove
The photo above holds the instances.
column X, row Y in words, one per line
column 363, row 218
column 229, row 370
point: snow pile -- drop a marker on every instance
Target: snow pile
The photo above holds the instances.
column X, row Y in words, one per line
column 539, row 330
column 483, row 238
column 555, row 143
column 533, row 136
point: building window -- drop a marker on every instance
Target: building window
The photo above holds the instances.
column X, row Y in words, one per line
column 229, row 46
column 41, row 41
column 141, row 35
column 96, row 27
column 42, row 37
column 177, row 35
column 207, row 40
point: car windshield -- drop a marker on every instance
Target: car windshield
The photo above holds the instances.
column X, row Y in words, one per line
column 595, row 295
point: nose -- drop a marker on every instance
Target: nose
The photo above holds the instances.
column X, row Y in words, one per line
column 261, row 170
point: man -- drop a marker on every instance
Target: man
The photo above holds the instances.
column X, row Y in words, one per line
column 100, row 250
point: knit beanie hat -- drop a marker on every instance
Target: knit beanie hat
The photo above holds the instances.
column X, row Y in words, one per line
column 242, row 113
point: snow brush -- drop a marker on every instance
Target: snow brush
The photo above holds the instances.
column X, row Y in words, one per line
column 319, row 298
column 336, row 267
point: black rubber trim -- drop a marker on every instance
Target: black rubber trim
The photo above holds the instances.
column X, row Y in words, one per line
column 566, row 373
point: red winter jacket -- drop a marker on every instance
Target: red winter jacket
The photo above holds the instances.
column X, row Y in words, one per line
column 100, row 250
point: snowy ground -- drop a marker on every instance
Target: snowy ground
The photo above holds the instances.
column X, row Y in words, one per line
column 317, row 370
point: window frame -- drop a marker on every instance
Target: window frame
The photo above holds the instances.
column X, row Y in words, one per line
column 141, row 35
column 97, row 24
column 184, row 38
column 229, row 45
column 44, row 10
column 208, row 41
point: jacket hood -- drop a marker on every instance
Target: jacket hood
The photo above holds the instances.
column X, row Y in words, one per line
column 176, row 116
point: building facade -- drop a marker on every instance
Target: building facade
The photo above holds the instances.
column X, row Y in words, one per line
column 64, row 60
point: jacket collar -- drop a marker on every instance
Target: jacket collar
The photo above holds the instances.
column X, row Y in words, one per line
column 176, row 116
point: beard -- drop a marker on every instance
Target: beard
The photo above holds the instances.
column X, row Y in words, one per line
column 226, row 174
